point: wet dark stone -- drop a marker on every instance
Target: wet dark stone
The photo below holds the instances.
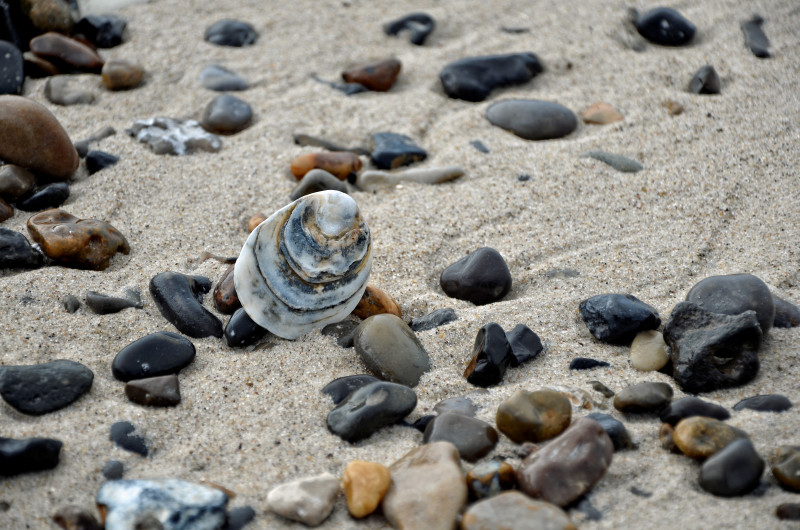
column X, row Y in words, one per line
column 241, row 331
column 45, row 197
column 178, row 296
column 434, row 319
column 343, row 331
column 480, row 146
column 15, row 181
column 99, row 160
column 525, row 344
column 28, row 455
column 665, row 26
column 755, row 38
column 422, row 423
column 227, row 114
column 615, row 430
column 370, row 408
column 732, row 294
column 104, row 31
column 472, row 437
column 122, row 435
column 341, row 387
column 239, row 518
column 226, row 300
column 787, row 314
column 393, row 150
column 41, row 388
column 317, row 180
column 491, row 478
column 457, row 405
column 220, row 79
column 687, row 407
column 617, row 318
column 229, row 32
column 71, row 303
column 523, row 178
column 711, row 350
column 12, row 73
column 162, row 391
column 481, row 277
column 705, row 81
column 586, row 363
column 643, row 398
column 785, row 465
column 491, row 356
column 788, row 511
column 102, row 304
column 474, row 78
column 16, row 251
column 67, row 54
column 113, row 470
column 732, row 471
column 419, row 25
column 532, row 119
column 160, row 353
column 765, row 403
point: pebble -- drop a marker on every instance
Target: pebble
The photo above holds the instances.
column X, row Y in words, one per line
column 434, row 319
column 689, row 406
column 238, row 518
column 317, row 180
column 456, row 405
column 755, row 38
column 82, row 146
column 61, row 90
column 167, row 136
column 103, row 304
column 36, row 67
column 41, row 388
column 104, row 31
column 76, row 518
column 370, row 408
column 788, row 511
column 121, row 74
column 615, row 430
column 491, row 356
column 12, row 74
column 341, row 387
column 700, row 437
column 66, row 53
column 490, row 478
column 603, row 389
column 617, row 318
column 28, row 455
column 162, row 391
column 533, row 416
column 473, row 438
column 16, row 252
column 665, row 26
column 49, row 15
column 765, row 403
column 15, row 182
column 525, row 344
column 474, row 78
column 224, row 295
column 241, row 331
column 313, row 141
column 70, row 303
column 705, row 81
column 99, row 160
column 160, row 353
column 177, row 297
column 787, row 314
column 732, row 294
column 172, row 503
column 586, row 363
column 376, row 301
column 338, row 163
column 390, row 350
column 220, row 79
column 698, row 339
column 428, row 489
column 648, row 351
column 513, row 509
column 31, row 137
column 532, row 119
column 481, row 277
column 122, row 436
column 618, row 162
column 308, row 500
column 349, row 89
column 392, row 150
column 372, row 180
column 365, row 484
column 51, row 195
column 227, row 114
column 419, row 26
column 343, row 331
column 785, row 464
column 601, row 114
column 733, row 471
column 378, row 76
column 480, row 146
column 643, row 398
column 569, row 466
column 229, row 32
column 113, row 470
column 6, row 211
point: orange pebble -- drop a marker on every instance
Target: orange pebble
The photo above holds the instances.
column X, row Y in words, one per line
column 255, row 220
column 338, row 163
column 376, row 301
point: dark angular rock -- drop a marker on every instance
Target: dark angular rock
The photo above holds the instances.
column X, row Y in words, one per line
column 160, row 353
column 765, row 403
column 220, row 79
column 617, row 318
column 390, row 350
column 734, row 470
column 586, row 363
column 785, row 466
column 705, row 81
column 732, row 294
column 28, row 455
column 241, row 331
column 615, row 430
column 434, row 319
column 113, row 470
column 71, row 303
column 76, row 518
column 104, row 31
column 393, row 150
column 491, row 478
column 788, row 511
column 317, row 180
column 122, row 435
column 229, row 32
column 532, row 119
column 687, row 407
column 177, row 296
column 474, row 78
column 162, row 391
column 643, row 398
column 99, row 160
column 755, row 38
column 227, row 114
column 472, row 437
column 341, row 387
column 787, row 314
column 665, row 26
column 102, row 304
column 16, row 251
column 15, row 181
column 482, row 277
column 12, row 73
column 419, row 25
column 50, row 196
column 370, row 408
column 41, row 388
column 525, row 344
column 491, row 356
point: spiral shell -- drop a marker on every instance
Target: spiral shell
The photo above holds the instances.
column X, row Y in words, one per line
column 306, row 266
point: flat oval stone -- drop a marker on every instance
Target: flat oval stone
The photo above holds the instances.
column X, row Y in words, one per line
column 162, row 391
column 617, row 318
column 491, row 356
column 513, row 509
column 176, row 296
column 370, row 408
column 220, row 79
column 419, row 25
column 378, row 76
column 474, row 78
column 341, row 387
column 338, row 163
column 28, row 455
column 643, row 398
column 732, row 294
column 689, row 406
column 67, row 52
column 229, row 32
column 62, row 90
column 227, row 114
column 765, row 403
column 16, row 251
column 490, row 478
column 532, row 119
column 472, row 437
column 700, row 437
column 705, row 81
column 160, row 353
column 121, row 74
column 533, row 416
column 241, row 331
column 648, row 351
column 525, row 344
column 376, row 301
column 365, row 484
column 12, row 73
column 618, row 162
column 49, row 196
column 785, row 464
column 390, row 350
column 15, row 182
column 104, row 31
column 99, row 160
column 734, row 470
column 103, row 304
column 586, row 363
column 122, row 434
column 434, row 319
column 601, row 114
column 31, row 137
column 317, row 180
column 755, row 38
column 615, row 430
column 665, row 26
column 41, row 388
column 481, row 277
column 392, row 150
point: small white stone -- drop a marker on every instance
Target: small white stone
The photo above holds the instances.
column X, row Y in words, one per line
column 309, row 500
column 648, row 351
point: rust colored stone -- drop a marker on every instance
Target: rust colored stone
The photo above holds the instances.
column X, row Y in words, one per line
column 338, row 163
column 66, row 51
column 255, row 220
column 700, row 437
column 378, row 76
column 601, row 114
column 673, row 107
column 225, row 299
column 119, row 74
column 376, row 301
column 365, row 485
column 78, row 243
column 6, row 211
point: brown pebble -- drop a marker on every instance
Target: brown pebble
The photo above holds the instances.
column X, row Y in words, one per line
column 73, row 242
column 700, row 437
column 338, row 163
column 490, row 478
column 255, row 220
column 365, row 484
column 162, row 391
column 785, row 466
column 601, row 114
column 6, row 211
column 533, row 416
column 788, row 511
column 225, row 299
column 31, row 137
column 515, row 510
column 665, row 436
column 76, row 518
column 37, row 67
column 73, row 54
column 673, row 107
column 378, row 76
column 119, row 74
column 376, row 301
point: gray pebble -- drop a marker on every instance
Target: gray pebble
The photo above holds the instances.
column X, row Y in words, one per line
column 618, row 162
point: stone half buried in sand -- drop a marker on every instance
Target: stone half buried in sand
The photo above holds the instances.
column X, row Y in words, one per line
column 167, row 136
column 532, row 119
column 306, row 266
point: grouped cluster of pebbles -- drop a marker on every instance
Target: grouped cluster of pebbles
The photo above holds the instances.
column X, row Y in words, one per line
column 710, row 341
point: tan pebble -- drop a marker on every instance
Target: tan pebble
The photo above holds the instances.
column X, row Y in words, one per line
column 376, row 301
column 365, row 484
column 648, row 351
column 673, row 107
column 255, row 220
column 601, row 114
column 338, row 163
column 378, row 76
column 701, row 437
column 119, row 74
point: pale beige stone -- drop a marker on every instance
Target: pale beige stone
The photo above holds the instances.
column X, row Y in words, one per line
column 365, row 484
column 648, row 351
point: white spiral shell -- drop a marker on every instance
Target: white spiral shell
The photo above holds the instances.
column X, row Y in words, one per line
column 306, row 266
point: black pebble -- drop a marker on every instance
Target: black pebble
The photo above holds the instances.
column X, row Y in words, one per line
column 689, row 406
column 640, row 492
column 121, row 435
column 586, row 363
column 228, row 32
column 104, row 31
column 370, row 408
column 113, row 470
column 27, row 455
column 474, row 78
column 705, row 81
column 45, row 197
column 666, row 27
column 16, row 251
column 420, row 25
column 11, row 69
column 177, row 297
column 422, row 423
column 755, row 38
column 765, row 403
column 788, row 511
column 482, row 277
column 525, row 344
column 340, row 388
column 434, row 319
column 102, row 304
column 734, row 470
column 615, row 429
column 160, row 353
column 392, row 150
column 480, row 146
column 241, row 331
column 97, row 160
column 523, row 177
column 41, row 388
column 240, row 517
column 491, row 356
column 71, row 303
column 617, row 318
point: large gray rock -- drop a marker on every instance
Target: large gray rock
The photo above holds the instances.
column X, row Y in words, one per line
column 390, row 350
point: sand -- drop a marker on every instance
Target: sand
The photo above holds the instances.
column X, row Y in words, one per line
column 718, row 194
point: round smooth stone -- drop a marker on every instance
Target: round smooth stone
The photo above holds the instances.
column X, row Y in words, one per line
column 665, row 26
column 121, row 74
column 12, row 73
column 160, row 353
column 601, row 114
column 472, row 437
column 533, row 416
column 241, row 331
column 15, row 182
column 765, row 403
column 700, row 437
column 50, row 196
column 16, row 251
column 785, row 466
column 220, row 79
column 229, row 32
column 227, row 114
column 390, row 350
column 491, row 478
column 370, row 408
column 643, row 397
column 649, row 351
column 341, row 387
column 513, row 509
column 615, row 430
column 532, row 119
column 732, row 294
column 61, row 90
column 28, row 455
column 734, row 470
column 113, row 470
column 481, row 277
column 456, row 405
column 379, row 76
column 41, row 388
column 365, row 484
column 49, row 15
column 617, row 318
column 689, row 406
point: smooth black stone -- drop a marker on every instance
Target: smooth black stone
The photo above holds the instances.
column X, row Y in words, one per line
column 615, row 429
column 434, row 319
column 687, row 407
column 705, row 81
column 343, row 331
column 160, row 353
column 102, row 304
column 220, row 79
column 98, row 160
column 532, row 119
column 755, row 38
column 121, row 435
column 732, row 294
column 12, row 73
column 523, row 178
column 788, row 511
column 16, row 251
column 765, row 403
column 71, row 303
column 392, row 150
column 422, row 423
column 491, row 356
column 640, row 492
column 41, row 388
column 586, row 363
column 240, row 517
column 617, row 318
column 482, row 277
column 480, row 146
column 241, row 331
column 787, row 314
column 420, row 25
column 525, row 344
column 341, row 387
column 104, row 31
column 370, row 408
column 113, row 470
column 178, row 296
column 229, row 32
column 734, row 470
column 28, row 455
column 473, row 78
column 44, row 197
column 666, row 27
